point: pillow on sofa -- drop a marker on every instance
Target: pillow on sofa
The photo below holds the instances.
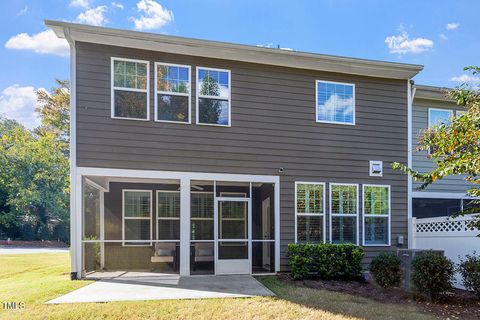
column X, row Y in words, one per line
column 164, row 252
column 205, row 252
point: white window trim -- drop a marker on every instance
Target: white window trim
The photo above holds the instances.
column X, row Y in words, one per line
column 438, row 109
column 356, row 185
column 164, row 218
column 311, row 214
column 181, row 94
column 316, row 103
column 214, row 97
column 113, row 88
column 388, row 216
column 136, row 218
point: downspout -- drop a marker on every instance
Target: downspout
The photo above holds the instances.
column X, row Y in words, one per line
column 410, row 96
column 75, row 236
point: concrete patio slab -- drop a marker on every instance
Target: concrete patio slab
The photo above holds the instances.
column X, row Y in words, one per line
column 130, row 286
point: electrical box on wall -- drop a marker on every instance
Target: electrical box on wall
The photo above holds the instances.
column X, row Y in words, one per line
column 376, row 168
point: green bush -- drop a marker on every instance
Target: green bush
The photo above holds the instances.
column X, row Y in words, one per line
column 386, row 270
column 469, row 269
column 432, row 274
column 326, row 261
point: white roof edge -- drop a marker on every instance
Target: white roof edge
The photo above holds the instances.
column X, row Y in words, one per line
column 230, row 51
column 432, row 93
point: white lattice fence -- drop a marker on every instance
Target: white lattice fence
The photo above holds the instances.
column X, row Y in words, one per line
column 456, row 237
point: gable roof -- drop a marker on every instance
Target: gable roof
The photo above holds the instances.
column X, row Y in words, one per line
column 231, row 51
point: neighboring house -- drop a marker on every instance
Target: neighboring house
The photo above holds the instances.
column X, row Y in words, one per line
column 203, row 157
column 431, row 106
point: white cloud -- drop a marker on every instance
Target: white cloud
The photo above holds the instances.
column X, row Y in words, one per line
column 452, row 26
column 152, row 15
column 117, row 5
column 18, row 103
column 85, row 4
column 402, row 44
column 23, row 12
column 45, row 42
column 465, row 78
column 93, row 16
column 443, row 36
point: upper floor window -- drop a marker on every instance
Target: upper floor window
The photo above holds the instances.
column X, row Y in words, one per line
column 130, row 97
column 172, row 87
column 437, row 117
column 335, row 102
column 213, row 97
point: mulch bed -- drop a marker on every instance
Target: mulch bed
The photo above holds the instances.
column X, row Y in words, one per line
column 34, row 244
column 458, row 304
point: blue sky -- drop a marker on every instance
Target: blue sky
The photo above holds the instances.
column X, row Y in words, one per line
column 441, row 35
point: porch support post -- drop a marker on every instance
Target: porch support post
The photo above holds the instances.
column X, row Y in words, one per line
column 185, row 226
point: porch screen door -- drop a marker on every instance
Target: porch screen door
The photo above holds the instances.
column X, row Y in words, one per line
column 233, row 245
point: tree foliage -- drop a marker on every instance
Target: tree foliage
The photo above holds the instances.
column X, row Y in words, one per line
column 455, row 147
column 34, row 170
column 210, row 109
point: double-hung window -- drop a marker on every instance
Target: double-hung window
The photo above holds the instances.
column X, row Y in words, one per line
column 130, row 89
column 343, row 213
column 310, row 212
column 213, row 97
column 335, row 102
column 168, row 215
column 376, row 215
column 137, row 217
column 438, row 117
column 172, row 93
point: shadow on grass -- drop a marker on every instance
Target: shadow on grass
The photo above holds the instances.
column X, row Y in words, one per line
column 340, row 303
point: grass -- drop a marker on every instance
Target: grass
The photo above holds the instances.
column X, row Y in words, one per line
column 36, row 278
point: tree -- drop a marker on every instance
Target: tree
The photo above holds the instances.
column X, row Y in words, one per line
column 210, row 109
column 54, row 110
column 455, row 147
column 34, row 170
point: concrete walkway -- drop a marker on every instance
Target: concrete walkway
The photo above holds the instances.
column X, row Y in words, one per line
column 26, row 250
column 131, row 286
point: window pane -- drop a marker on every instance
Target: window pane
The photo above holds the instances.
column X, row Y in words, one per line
column 310, row 198
column 168, row 204
column 137, row 204
column 376, row 230
column 375, row 200
column 137, row 229
column 431, row 207
column 202, row 258
column 173, row 79
column 438, row 117
column 130, row 74
column 168, row 229
column 129, row 104
column 213, row 83
column 309, row 229
column 335, row 102
column 91, row 211
column 213, row 111
column 172, row 108
column 344, row 199
column 232, row 220
column 202, row 205
column 344, row 229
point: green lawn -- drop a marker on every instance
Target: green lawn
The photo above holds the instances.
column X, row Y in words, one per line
column 36, row 278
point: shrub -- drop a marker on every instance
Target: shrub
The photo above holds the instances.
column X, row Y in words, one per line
column 432, row 274
column 386, row 270
column 326, row 261
column 469, row 269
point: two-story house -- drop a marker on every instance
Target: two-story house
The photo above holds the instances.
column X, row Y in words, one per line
column 202, row 157
column 431, row 107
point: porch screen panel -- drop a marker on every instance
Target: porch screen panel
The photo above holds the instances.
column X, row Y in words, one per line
column 168, row 215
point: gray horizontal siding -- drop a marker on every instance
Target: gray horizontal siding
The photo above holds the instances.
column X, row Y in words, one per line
column 420, row 162
column 273, row 125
